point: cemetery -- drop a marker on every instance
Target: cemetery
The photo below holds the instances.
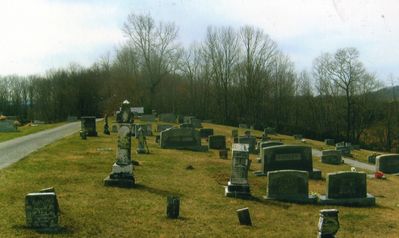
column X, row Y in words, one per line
column 110, row 188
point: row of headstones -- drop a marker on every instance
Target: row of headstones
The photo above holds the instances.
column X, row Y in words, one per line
column 172, row 118
column 288, row 168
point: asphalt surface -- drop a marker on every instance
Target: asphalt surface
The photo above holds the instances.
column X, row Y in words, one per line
column 349, row 161
column 13, row 150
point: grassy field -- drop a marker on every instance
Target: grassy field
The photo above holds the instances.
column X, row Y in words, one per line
column 26, row 130
column 76, row 169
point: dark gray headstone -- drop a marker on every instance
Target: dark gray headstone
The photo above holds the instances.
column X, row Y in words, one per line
column 328, row 223
column 223, row 154
column 167, row 117
column 172, row 207
column 266, row 144
column 88, row 124
column 371, row 158
column 7, row 126
column 329, row 141
column 238, row 184
column 181, row 138
column 289, row 185
column 217, row 142
column 331, row 157
column 148, row 117
column 388, row 164
column 244, row 217
column 205, row 132
column 347, row 188
column 234, row 133
column 298, row 137
column 41, row 210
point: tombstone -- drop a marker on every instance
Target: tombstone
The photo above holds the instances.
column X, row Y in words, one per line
column 328, row 223
column 223, row 154
column 162, row 127
column 345, row 148
column 266, row 144
column 180, row 119
column 197, row 123
column 388, row 163
column 329, row 141
column 148, row 117
column 331, row 157
column 205, row 132
column 242, row 125
column 114, row 127
column 186, row 125
column 347, row 188
column 371, row 158
column 142, row 147
column 187, row 119
column 122, row 169
column 181, row 138
column 7, row 126
column 238, row 184
column 167, row 117
column 289, row 186
column 137, row 110
column 42, row 210
column 125, row 115
column 157, row 139
column 106, row 127
column 88, row 124
column 298, row 137
column 288, row 157
column 172, row 207
column 83, row 134
column 244, row 217
column 234, row 133
column 217, row 142
column 147, row 129
column 250, row 140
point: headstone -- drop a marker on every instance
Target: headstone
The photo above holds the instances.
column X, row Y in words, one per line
column 238, row 184
column 347, row 188
column 83, row 134
column 234, row 133
column 217, row 142
column 147, row 117
column 122, row 170
column 250, row 140
column 162, row 127
column 7, row 126
column 106, row 127
column 88, row 124
column 329, row 141
column 288, row 157
column 328, row 223
column 125, row 115
column 142, row 147
column 298, row 137
column 223, row 154
column 147, row 129
column 114, row 127
column 331, row 157
column 157, row 139
column 167, row 117
column 172, row 207
column 187, row 119
column 186, row 125
column 180, row 119
column 137, row 110
column 270, row 130
column 388, row 163
column 181, row 138
column 244, row 217
column 197, row 123
column 205, row 132
column 345, row 148
column 266, row 144
column 289, row 186
column 41, row 210
column 371, row 158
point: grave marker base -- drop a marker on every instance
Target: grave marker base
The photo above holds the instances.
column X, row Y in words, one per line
column 311, row 199
column 237, row 190
column 331, row 159
column 315, row 174
column 367, row 201
column 119, row 182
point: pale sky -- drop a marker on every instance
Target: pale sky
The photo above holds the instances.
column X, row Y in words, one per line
column 37, row 35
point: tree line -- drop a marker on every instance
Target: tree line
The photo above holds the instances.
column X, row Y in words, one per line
column 232, row 76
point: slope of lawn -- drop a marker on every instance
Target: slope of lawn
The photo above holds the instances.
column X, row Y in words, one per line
column 26, row 130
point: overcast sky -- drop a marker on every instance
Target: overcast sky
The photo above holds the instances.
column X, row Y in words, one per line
column 37, row 35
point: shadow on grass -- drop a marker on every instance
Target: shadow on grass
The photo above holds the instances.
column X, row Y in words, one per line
column 59, row 230
column 270, row 202
column 156, row 190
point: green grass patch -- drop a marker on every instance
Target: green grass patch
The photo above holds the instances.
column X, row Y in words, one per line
column 26, row 130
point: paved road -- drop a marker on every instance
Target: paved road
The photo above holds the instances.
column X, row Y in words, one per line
column 350, row 162
column 13, row 150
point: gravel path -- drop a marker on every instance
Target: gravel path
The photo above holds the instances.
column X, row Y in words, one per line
column 13, row 150
column 349, row 161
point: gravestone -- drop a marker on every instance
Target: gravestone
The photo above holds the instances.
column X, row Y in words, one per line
column 122, row 169
column 266, row 144
column 329, row 141
column 223, row 154
column 167, row 117
column 388, row 163
column 217, row 142
column 41, row 210
column 181, row 138
column 186, row 125
column 187, row 119
column 142, row 147
column 172, row 207
column 114, row 127
column 197, row 123
column 345, row 148
column 147, row 129
column 331, row 157
column 250, row 140
column 238, row 184
column 147, row 117
column 269, row 130
column 162, row 127
column 328, row 224
column 106, row 127
column 88, row 124
column 234, row 133
column 205, row 132
column 347, row 188
column 298, row 137
column 289, row 186
column 7, row 126
column 371, row 158
column 288, row 157
column 244, row 217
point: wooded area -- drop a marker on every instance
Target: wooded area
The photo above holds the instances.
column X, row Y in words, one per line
column 233, row 76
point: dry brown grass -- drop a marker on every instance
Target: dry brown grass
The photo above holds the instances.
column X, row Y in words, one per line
column 77, row 169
